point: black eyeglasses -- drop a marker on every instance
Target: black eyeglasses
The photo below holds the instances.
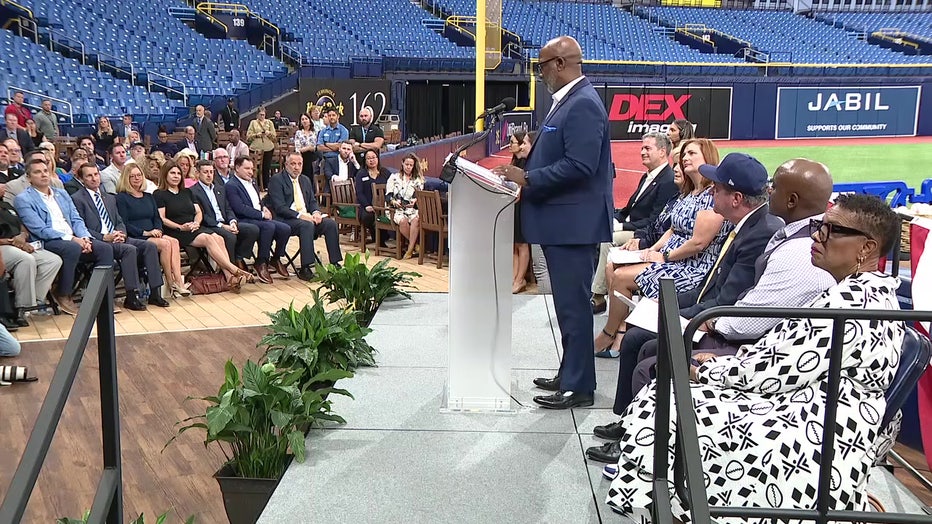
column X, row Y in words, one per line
column 822, row 230
column 540, row 65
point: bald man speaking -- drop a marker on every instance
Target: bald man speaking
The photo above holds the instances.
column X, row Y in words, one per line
column 566, row 208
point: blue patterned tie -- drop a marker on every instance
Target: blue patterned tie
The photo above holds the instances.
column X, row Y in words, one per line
column 102, row 211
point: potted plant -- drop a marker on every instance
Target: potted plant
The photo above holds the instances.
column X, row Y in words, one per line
column 141, row 519
column 314, row 341
column 256, row 420
column 363, row 288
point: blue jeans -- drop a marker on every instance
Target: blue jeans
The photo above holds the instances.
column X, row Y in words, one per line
column 9, row 346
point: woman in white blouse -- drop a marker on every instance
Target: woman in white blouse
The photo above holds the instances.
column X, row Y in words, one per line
column 305, row 141
column 400, row 193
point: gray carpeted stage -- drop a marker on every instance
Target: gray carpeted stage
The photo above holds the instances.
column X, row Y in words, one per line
column 399, row 459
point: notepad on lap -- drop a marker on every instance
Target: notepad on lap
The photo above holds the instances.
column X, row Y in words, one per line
column 645, row 316
column 619, row 256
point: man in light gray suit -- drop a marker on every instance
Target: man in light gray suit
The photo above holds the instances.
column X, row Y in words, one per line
column 205, row 132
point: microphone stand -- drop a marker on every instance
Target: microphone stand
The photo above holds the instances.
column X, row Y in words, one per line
column 449, row 171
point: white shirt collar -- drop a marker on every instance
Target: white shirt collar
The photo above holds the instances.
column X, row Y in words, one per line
column 745, row 218
column 563, row 91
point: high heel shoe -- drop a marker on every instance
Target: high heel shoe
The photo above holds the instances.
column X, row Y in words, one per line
column 517, row 287
column 609, row 352
column 246, row 276
column 180, row 291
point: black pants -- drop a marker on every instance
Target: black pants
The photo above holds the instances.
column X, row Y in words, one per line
column 266, row 168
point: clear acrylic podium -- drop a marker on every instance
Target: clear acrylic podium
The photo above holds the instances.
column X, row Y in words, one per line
column 481, row 218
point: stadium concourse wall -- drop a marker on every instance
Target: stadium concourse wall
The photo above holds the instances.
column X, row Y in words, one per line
column 765, row 108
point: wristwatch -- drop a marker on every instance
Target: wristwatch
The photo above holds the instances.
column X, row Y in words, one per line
column 666, row 256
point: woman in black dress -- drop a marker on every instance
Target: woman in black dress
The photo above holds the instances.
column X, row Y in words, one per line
column 181, row 218
column 371, row 173
column 104, row 137
column 520, row 146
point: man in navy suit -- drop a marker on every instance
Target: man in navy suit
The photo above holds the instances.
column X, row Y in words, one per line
column 300, row 211
column 342, row 167
column 50, row 216
column 124, row 128
column 247, row 206
column 99, row 211
column 654, row 190
column 566, row 207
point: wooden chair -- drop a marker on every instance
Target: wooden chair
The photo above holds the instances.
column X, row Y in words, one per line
column 431, row 218
column 322, row 193
column 346, row 210
column 256, row 157
column 383, row 221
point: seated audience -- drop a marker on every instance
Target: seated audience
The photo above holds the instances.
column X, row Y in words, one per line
column 164, row 146
column 15, row 187
column 291, row 196
column 222, row 169
column 99, row 211
column 185, row 160
column 104, row 137
column 686, row 252
column 71, row 180
column 372, row 173
column 34, row 133
column 33, row 270
column 239, row 239
column 680, row 132
column 654, row 190
column 341, row 167
column 248, row 208
column 181, row 218
column 140, row 214
column 766, row 389
column 18, row 134
column 111, row 174
column 50, row 216
column 236, row 147
column 400, row 193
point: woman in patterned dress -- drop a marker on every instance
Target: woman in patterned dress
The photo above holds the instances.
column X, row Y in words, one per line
column 686, row 252
column 759, row 413
column 399, row 195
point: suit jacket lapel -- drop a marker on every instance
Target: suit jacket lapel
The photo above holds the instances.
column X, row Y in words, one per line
column 553, row 111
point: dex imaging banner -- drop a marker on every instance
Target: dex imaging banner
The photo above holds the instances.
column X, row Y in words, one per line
column 847, row 112
column 635, row 110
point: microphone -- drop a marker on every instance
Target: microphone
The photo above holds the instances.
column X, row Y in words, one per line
column 507, row 104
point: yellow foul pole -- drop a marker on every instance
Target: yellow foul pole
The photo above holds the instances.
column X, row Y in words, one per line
column 480, row 60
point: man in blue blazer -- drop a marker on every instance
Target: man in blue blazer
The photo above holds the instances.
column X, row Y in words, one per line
column 50, row 216
column 243, row 197
column 343, row 165
column 99, row 211
column 302, row 214
column 566, row 207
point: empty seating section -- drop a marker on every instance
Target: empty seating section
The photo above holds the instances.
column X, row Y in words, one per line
column 788, row 37
column 916, row 23
column 26, row 65
column 151, row 39
column 605, row 32
column 390, row 28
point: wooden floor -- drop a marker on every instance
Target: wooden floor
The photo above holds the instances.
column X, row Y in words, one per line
column 156, row 372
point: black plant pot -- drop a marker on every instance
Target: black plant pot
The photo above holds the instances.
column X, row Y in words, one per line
column 244, row 498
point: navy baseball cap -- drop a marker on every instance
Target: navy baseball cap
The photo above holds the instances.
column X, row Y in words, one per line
column 740, row 172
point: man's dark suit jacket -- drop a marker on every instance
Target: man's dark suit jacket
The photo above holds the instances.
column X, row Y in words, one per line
column 88, row 211
column 281, row 195
column 230, row 118
column 239, row 200
column 22, row 138
column 167, row 148
column 205, row 135
column 332, row 168
column 735, row 273
column 209, row 218
column 646, row 209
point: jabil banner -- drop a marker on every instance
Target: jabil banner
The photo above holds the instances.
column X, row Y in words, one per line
column 847, row 112
column 635, row 110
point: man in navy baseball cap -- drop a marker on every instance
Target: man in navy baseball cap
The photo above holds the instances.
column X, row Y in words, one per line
column 738, row 172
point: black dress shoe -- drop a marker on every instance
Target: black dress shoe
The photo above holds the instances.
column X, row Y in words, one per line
column 9, row 324
column 611, row 431
column 565, row 400
column 549, row 384
column 158, row 301
column 132, row 302
column 306, row 274
column 20, row 319
column 610, row 452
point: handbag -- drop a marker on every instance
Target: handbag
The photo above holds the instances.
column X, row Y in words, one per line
column 208, row 283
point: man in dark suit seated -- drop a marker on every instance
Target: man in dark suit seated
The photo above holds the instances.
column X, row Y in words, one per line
column 12, row 130
column 240, row 239
column 167, row 148
column 654, row 190
column 244, row 200
column 99, row 211
column 291, row 196
column 341, row 167
column 741, row 195
column 50, row 216
column 566, row 208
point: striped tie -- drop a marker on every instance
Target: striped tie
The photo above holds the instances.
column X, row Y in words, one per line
column 102, row 211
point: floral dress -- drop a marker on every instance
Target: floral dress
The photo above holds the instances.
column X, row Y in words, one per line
column 759, row 413
column 690, row 272
column 400, row 191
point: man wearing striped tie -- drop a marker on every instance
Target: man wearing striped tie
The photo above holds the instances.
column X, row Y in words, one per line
column 98, row 209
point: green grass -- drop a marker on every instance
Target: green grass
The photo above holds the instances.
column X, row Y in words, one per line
column 911, row 163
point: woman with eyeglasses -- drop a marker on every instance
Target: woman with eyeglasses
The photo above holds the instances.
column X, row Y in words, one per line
column 759, row 413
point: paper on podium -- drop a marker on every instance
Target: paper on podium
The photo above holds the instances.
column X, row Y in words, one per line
column 619, row 256
column 486, row 177
column 645, row 316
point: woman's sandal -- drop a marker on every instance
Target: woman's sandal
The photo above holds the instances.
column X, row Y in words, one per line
column 10, row 374
column 609, row 352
